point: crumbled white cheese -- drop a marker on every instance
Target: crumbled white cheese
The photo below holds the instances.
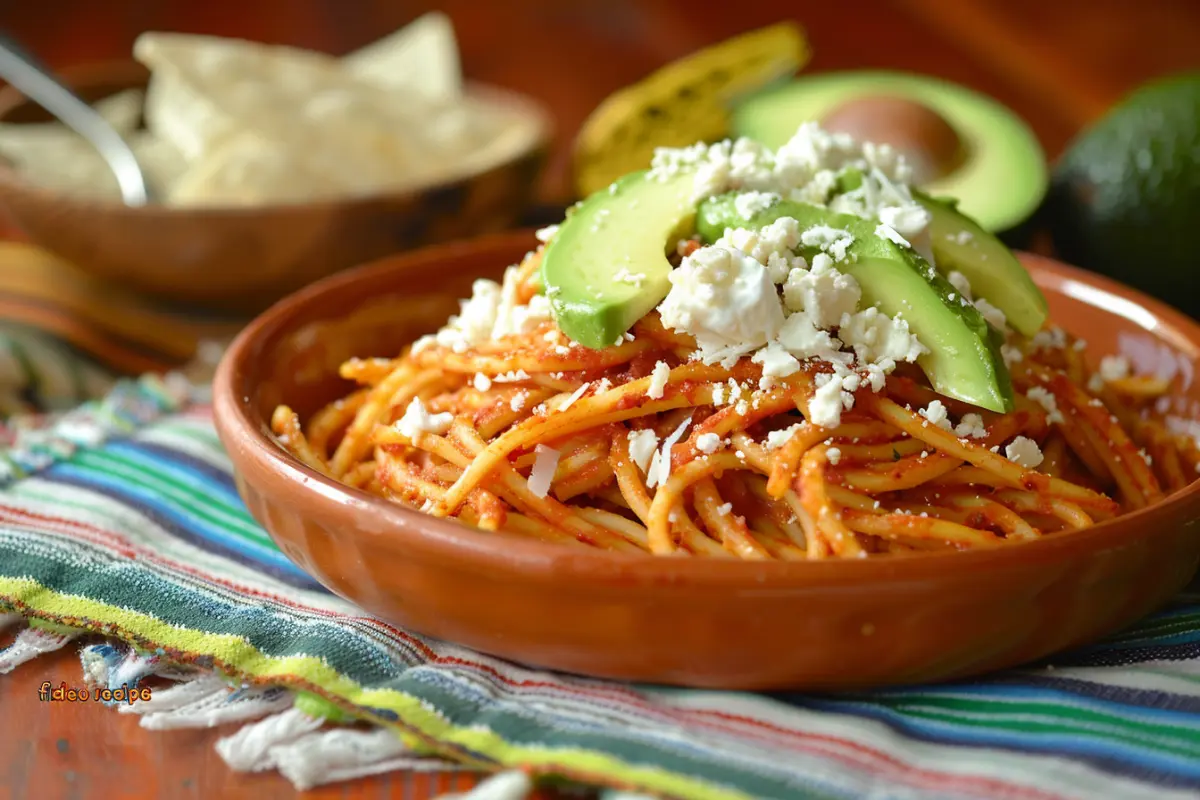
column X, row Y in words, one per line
column 821, row 263
column 776, row 361
column 992, row 315
column 875, row 336
column 708, row 443
column 1095, row 383
column 960, row 282
column 825, row 296
column 481, row 382
column 642, row 445
column 1046, row 400
column 511, row 377
column 1011, row 355
column 833, row 241
column 1024, row 452
column 476, row 317
column 749, row 204
column 771, row 246
column 518, row 401
column 632, row 278
column 658, row 380
column 575, row 395
column 777, row 439
column 834, row 455
column 936, row 413
column 660, row 463
column 547, row 233
column 970, row 426
column 804, row 168
column 877, row 373
column 906, row 219
column 545, row 462
column 962, row 237
column 803, row 339
column 1049, row 339
column 725, row 299
column 1114, row 368
column 825, row 407
column 418, row 420
column 424, row 343
column 889, row 233
column 512, row 318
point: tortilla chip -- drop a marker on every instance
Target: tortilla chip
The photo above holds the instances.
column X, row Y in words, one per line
column 422, row 57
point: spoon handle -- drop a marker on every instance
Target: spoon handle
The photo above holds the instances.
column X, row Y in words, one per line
column 36, row 82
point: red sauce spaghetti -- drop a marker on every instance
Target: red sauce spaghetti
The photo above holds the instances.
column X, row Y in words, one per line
column 604, row 448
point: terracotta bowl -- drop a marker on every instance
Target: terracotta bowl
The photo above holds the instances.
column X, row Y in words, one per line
column 242, row 259
column 696, row 622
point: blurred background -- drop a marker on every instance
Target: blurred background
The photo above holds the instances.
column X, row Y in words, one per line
column 1057, row 63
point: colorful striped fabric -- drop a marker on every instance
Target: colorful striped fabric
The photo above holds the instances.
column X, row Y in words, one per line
column 143, row 537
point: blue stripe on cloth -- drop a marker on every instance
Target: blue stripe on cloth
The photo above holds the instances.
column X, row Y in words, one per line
column 1118, row 695
column 184, row 467
column 1035, row 694
column 186, row 527
column 1106, row 754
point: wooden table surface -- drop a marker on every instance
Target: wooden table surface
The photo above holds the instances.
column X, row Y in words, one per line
column 1059, row 63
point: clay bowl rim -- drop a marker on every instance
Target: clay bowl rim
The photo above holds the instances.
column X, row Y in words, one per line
column 124, row 74
column 245, row 435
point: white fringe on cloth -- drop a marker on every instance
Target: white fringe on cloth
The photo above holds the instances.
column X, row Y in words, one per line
column 30, row 643
column 274, row 734
column 345, row 753
column 252, row 748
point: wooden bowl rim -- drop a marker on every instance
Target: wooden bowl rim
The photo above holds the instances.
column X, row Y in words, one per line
column 245, row 435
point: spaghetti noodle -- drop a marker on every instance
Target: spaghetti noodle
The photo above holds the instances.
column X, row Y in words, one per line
column 530, row 434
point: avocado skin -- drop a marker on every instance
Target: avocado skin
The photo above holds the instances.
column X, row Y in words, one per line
column 1125, row 198
column 716, row 214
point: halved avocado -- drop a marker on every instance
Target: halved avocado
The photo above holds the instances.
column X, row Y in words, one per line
column 964, row 359
column 966, row 145
column 607, row 267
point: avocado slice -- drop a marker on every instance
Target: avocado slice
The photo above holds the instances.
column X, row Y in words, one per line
column 997, row 168
column 995, row 274
column 963, row 361
column 607, row 267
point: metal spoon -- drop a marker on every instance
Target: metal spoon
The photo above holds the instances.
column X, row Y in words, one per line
column 37, row 83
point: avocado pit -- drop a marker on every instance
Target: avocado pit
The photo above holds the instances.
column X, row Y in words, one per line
column 927, row 141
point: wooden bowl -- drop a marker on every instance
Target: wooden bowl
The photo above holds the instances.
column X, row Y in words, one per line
column 244, row 258
column 697, row 622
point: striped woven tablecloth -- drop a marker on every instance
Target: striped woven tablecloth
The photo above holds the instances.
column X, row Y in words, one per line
column 120, row 517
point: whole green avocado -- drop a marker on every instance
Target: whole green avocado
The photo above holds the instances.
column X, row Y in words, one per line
column 1125, row 198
